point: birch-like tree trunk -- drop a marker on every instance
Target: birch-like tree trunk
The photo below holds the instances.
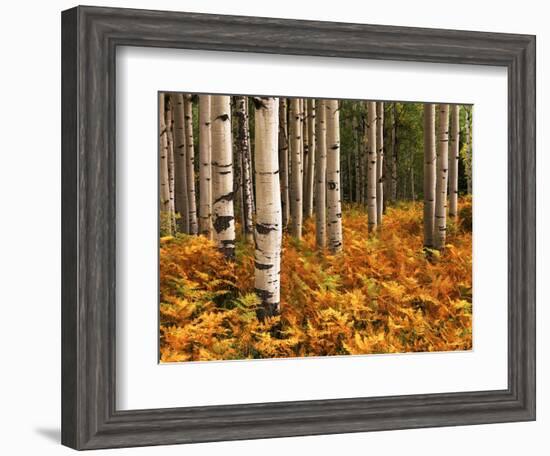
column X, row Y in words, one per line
column 269, row 223
column 429, row 174
column 305, row 155
column 468, row 151
column 223, row 217
column 190, row 156
column 320, row 176
column 310, row 172
column 180, row 164
column 453, row 160
column 334, row 203
column 283, row 161
column 164, row 191
column 442, row 163
column 379, row 161
column 243, row 143
column 170, row 132
column 296, row 173
column 205, row 168
column 371, row 165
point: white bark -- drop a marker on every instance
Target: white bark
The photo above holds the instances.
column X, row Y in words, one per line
column 429, row 174
column 334, row 204
column 164, row 192
column 223, row 217
column 379, row 161
column 296, row 163
column 268, row 228
column 190, row 156
column 371, row 166
column 205, row 167
column 170, row 132
column 440, row 227
column 243, row 142
column 453, row 160
column 180, row 164
column 310, row 170
column 320, row 176
column 468, row 151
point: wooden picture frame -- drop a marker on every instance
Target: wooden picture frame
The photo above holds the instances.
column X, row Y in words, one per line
column 90, row 36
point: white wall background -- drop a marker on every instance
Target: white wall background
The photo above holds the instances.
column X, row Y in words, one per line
column 30, row 226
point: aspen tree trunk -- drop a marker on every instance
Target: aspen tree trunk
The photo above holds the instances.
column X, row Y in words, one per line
column 334, row 203
column 180, row 164
column 205, row 169
column 190, row 156
column 305, row 159
column 429, row 174
column 468, row 161
column 170, row 132
column 296, row 163
column 283, row 160
column 310, row 173
column 379, row 161
column 164, row 191
column 320, row 176
column 453, row 161
column 267, row 254
column 371, row 165
column 223, row 217
column 442, row 163
column 243, row 142
column 394, row 152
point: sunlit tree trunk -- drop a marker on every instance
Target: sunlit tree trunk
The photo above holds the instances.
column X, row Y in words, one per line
column 205, row 168
column 223, row 217
column 442, row 163
column 334, row 204
column 170, row 132
column 164, row 192
column 190, row 156
column 371, row 165
column 320, row 176
column 267, row 256
column 180, row 164
column 243, row 143
column 310, row 174
column 283, row 161
column 296, row 163
column 379, row 161
column 429, row 174
column 453, row 160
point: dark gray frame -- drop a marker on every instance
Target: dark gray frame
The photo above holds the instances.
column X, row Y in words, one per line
column 90, row 36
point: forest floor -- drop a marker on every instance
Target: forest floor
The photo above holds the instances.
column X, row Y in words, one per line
column 383, row 294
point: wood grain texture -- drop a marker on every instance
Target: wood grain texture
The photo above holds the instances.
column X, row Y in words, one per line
column 89, row 39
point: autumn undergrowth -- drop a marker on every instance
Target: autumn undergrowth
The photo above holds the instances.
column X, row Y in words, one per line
column 383, row 294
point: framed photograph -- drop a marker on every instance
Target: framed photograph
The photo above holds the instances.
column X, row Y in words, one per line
column 281, row 228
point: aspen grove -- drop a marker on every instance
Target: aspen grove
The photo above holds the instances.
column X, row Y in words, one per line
column 308, row 227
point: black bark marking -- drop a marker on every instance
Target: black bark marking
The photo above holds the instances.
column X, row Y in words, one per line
column 262, row 266
column 222, row 223
column 259, row 103
column 263, row 228
column 331, row 185
column 223, row 117
column 227, row 197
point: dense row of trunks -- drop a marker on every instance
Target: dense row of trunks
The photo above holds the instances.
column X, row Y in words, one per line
column 289, row 171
